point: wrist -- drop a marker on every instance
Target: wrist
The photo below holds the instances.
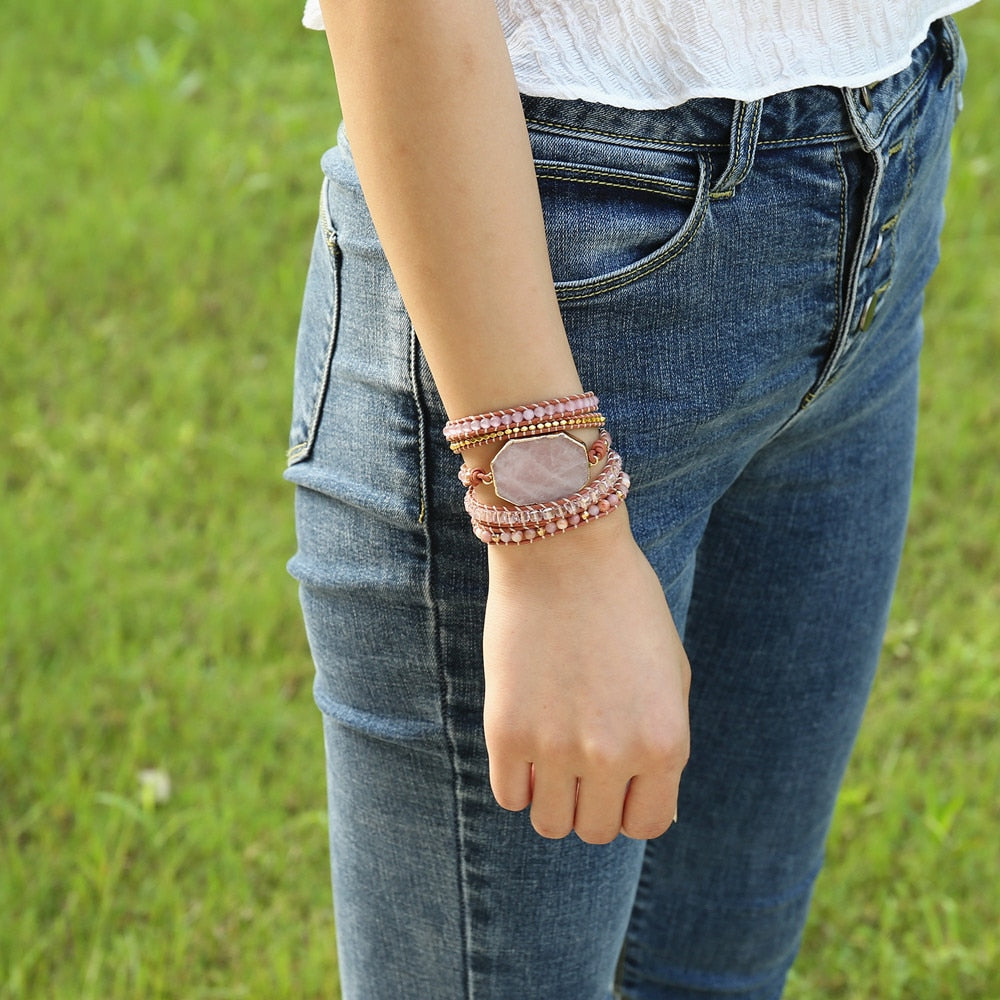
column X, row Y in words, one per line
column 541, row 480
column 561, row 563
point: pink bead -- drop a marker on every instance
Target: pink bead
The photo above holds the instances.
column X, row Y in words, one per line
column 603, row 506
column 505, row 536
column 550, row 528
column 575, row 519
column 562, row 524
column 593, row 510
column 516, row 536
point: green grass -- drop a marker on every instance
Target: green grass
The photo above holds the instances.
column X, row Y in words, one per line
column 158, row 188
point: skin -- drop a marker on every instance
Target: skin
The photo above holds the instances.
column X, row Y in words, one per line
column 586, row 686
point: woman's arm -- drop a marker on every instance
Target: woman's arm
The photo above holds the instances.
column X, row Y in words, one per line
column 586, row 680
column 435, row 124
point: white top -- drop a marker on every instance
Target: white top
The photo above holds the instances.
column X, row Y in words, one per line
column 659, row 53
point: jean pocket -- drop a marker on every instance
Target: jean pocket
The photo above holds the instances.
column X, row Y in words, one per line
column 608, row 226
column 317, row 336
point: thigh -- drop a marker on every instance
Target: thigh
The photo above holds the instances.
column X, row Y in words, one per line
column 789, row 600
column 438, row 892
column 789, row 595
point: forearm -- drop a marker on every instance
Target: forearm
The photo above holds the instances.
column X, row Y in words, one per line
column 438, row 137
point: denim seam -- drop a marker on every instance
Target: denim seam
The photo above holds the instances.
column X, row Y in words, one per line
column 798, row 140
column 557, row 128
column 890, row 114
column 442, row 674
column 839, row 279
column 742, row 146
column 303, row 448
column 601, row 286
column 853, row 272
column 619, row 137
column 566, row 172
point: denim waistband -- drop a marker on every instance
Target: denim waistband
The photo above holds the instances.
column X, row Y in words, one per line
column 807, row 115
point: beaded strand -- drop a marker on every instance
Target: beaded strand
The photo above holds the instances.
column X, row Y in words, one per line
column 548, row 416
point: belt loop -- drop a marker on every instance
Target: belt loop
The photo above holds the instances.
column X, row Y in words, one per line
column 865, row 122
column 742, row 146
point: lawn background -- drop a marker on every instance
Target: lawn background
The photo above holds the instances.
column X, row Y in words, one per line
column 158, row 184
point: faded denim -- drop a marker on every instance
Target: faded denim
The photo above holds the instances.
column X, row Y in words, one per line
column 742, row 286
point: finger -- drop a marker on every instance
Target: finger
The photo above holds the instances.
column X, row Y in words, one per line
column 599, row 807
column 511, row 782
column 553, row 802
column 650, row 806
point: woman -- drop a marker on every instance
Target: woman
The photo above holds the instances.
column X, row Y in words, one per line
column 713, row 219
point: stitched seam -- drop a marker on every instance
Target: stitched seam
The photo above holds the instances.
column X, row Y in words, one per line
column 555, row 127
column 745, row 159
column 549, row 171
column 678, row 192
column 333, row 247
column 602, row 286
column 841, row 248
column 801, row 139
column 434, row 623
column 841, row 293
column 893, row 110
column 723, row 187
column 643, row 140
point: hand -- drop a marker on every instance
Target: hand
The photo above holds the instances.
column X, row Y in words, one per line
column 586, row 685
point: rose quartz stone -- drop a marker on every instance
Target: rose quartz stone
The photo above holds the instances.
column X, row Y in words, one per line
column 539, row 469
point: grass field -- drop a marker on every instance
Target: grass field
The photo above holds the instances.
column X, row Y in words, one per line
column 158, row 185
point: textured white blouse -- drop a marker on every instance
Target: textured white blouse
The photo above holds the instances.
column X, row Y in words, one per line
column 659, row 53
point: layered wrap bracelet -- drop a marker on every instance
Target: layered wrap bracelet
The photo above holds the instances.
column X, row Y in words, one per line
column 541, row 473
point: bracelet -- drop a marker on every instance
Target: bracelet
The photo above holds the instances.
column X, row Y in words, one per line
column 528, row 414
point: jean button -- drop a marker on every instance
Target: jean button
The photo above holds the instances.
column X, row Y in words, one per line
column 876, row 251
column 869, row 310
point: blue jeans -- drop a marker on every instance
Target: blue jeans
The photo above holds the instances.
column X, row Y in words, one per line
column 742, row 286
